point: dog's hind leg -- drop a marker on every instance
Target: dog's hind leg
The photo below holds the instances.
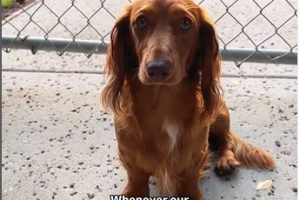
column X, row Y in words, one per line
column 220, row 142
column 232, row 150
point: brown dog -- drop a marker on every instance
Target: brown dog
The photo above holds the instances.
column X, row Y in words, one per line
column 163, row 70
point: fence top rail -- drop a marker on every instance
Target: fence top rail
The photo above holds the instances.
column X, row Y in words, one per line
column 264, row 31
column 93, row 46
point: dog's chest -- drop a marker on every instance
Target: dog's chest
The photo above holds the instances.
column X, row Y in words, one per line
column 172, row 130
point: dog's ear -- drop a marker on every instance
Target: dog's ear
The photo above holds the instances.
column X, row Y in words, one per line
column 209, row 65
column 121, row 61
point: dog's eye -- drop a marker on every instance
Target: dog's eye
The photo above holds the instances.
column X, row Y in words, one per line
column 185, row 24
column 141, row 22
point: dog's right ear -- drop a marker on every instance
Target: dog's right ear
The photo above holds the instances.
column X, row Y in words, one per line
column 121, row 61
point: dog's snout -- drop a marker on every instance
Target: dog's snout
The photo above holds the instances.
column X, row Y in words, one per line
column 158, row 70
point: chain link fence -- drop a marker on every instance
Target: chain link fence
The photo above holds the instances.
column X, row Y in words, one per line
column 249, row 30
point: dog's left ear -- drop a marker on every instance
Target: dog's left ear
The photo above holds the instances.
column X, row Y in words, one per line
column 209, row 65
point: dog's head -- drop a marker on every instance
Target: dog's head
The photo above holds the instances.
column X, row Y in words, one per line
column 164, row 43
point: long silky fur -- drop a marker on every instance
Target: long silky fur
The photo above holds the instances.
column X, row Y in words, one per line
column 250, row 155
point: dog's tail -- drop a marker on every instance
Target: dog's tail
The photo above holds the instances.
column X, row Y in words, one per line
column 249, row 155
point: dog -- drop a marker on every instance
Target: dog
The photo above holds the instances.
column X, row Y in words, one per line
column 163, row 71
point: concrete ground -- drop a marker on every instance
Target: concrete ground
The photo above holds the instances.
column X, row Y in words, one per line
column 58, row 143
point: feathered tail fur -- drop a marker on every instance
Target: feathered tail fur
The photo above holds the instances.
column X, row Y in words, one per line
column 250, row 155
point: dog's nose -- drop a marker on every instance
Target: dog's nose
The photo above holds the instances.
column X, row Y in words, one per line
column 158, row 70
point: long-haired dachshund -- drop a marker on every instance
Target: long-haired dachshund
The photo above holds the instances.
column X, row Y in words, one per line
column 163, row 69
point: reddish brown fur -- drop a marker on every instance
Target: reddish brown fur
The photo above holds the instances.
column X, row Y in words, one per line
column 189, row 102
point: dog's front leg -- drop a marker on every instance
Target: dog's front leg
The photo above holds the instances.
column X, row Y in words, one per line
column 190, row 177
column 190, row 189
column 137, row 185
